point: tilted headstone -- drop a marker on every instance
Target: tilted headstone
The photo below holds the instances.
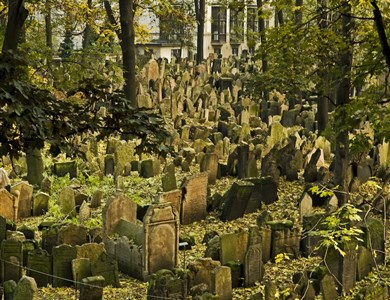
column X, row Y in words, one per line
column 72, row 234
column 194, row 199
column 117, row 208
column 39, row 264
column 174, row 197
column 201, row 270
column 233, row 247
column 168, row 284
column 169, row 179
column 129, row 257
column 150, row 168
column 161, row 225
column 96, row 198
column 235, row 200
column 11, row 260
column 62, row 265
column 81, row 268
column 209, row 164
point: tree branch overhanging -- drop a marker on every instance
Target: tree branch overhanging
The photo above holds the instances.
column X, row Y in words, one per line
column 380, row 27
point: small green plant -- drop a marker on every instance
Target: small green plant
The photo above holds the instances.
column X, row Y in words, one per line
column 339, row 228
column 322, row 191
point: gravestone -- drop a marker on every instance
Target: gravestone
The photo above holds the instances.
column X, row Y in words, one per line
column 129, row 257
column 62, row 265
column 201, row 271
column 235, row 200
column 81, row 268
column 72, row 234
column 168, row 284
column 96, row 198
column 67, row 202
column 305, row 205
column 209, row 164
column 328, row 288
column 3, row 228
column 169, row 179
column 11, row 260
column 40, row 204
column 265, row 190
column 194, row 198
column 25, row 198
column 106, row 267
column 63, row 168
column 84, row 213
column 233, row 247
column 91, row 288
column 9, row 289
column 26, row 289
column 150, row 168
column 39, row 263
column 221, row 283
column 117, row 208
column 8, row 205
column 174, row 197
column 242, row 161
column 161, row 231
column 285, row 241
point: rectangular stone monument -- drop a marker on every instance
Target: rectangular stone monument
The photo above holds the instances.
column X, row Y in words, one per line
column 194, row 198
column 11, row 260
column 221, row 283
column 40, row 204
column 39, row 263
column 25, row 192
column 62, row 265
column 161, row 231
column 8, row 205
column 236, row 200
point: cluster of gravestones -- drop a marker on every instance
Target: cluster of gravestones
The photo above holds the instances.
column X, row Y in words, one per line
column 224, row 134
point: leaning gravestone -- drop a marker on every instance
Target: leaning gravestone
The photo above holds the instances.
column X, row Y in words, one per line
column 235, row 200
column 72, row 234
column 62, row 265
column 8, row 205
column 117, row 208
column 221, row 283
column 26, row 289
column 194, row 199
column 63, row 168
column 11, row 260
column 106, row 267
column 161, row 231
column 25, row 198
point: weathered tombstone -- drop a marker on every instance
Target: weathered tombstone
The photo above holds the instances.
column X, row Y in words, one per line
column 39, row 264
column 108, row 268
column 91, row 288
column 242, row 161
column 365, row 262
column 72, row 234
column 209, row 164
column 117, row 208
column 67, row 201
column 253, row 264
column 11, row 260
column 9, row 287
column 235, row 200
column 28, row 246
column 63, row 168
column 96, row 198
column 201, row 270
column 233, row 247
column 305, row 205
column 169, row 179
column 221, row 283
column 373, row 238
column 25, row 192
column 167, row 284
column 84, row 213
column 26, row 289
column 194, row 201
column 150, row 168
column 81, row 268
column 8, row 205
column 265, row 190
column 3, row 228
column 62, row 265
column 174, row 197
column 129, row 257
column 328, row 288
column 40, row 204
column 161, row 225
column 109, row 164
column 285, row 240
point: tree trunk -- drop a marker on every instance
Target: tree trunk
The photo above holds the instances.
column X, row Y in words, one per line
column 17, row 15
column 298, row 12
column 49, row 34
column 34, row 165
column 200, row 7
column 323, row 88
column 87, row 31
column 127, row 42
column 263, row 39
column 343, row 92
column 380, row 27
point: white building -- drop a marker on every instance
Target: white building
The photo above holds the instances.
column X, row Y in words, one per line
column 228, row 31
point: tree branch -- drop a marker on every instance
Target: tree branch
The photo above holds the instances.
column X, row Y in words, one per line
column 381, row 32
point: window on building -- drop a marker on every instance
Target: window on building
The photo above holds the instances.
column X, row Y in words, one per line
column 217, row 51
column 176, row 53
column 218, row 24
column 235, row 51
column 236, row 25
column 251, row 19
